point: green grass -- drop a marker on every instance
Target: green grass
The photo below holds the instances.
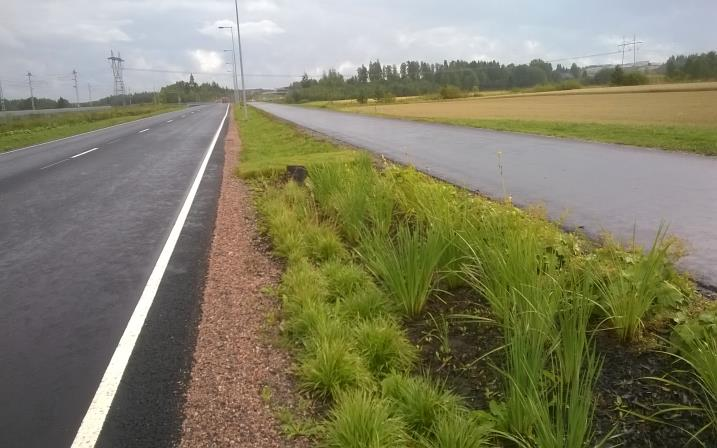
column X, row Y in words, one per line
column 384, row 346
column 394, row 235
column 696, row 139
column 18, row 132
column 406, row 265
column 267, row 148
column 362, row 420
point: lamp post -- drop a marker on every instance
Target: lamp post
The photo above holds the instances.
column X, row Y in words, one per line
column 234, row 76
column 234, row 58
column 241, row 61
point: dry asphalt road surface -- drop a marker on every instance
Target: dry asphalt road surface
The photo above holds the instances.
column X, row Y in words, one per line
column 83, row 221
column 602, row 187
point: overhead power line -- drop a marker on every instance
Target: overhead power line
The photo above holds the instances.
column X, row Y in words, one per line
column 192, row 72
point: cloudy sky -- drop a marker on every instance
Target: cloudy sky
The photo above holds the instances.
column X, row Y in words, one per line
column 286, row 38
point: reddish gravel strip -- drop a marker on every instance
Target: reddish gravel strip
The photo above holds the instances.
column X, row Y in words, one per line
column 234, row 360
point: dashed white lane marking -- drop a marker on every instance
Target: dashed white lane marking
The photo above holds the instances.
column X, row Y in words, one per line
column 53, row 164
column 95, row 417
column 169, row 121
column 182, row 116
column 112, row 141
column 83, row 153
column 143, row 130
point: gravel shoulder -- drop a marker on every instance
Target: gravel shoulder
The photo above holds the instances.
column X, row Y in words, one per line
column 238, row 372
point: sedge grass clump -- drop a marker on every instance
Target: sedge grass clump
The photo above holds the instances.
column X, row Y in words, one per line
column 406, row 265
column 362, row 420
column 355, row 195
column 456, row 430
column 303, row 281
column 418, row 401
column 630, row 291
column 331, row 366
column 384, row 346
column 322, row 243
column 367, row 303
column 344, row 278
column 432, row 204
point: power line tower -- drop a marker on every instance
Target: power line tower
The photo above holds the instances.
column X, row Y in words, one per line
column 32, row 95
column 116, row 62
column 77, row 92
column 633, row 44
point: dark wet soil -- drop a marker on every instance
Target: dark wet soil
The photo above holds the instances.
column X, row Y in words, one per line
column 456, row 354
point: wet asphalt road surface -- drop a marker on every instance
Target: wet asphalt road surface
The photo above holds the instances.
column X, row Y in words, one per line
column 78, row 239
column 598, row 187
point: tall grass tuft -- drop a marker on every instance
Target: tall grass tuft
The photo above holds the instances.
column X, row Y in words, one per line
column 406, row 265
column 629, row 293
column 361, row 420
column 355, row 196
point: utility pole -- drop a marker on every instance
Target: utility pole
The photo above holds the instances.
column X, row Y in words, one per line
column 77, row 92
column 241, row 62
column 2, row 98
column 32, row 95
column 89, row 93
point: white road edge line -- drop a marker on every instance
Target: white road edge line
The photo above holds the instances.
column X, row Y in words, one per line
column 83, row 133
column 143, row 130
column 94, row 419
column 83, row 153
column 53, row 164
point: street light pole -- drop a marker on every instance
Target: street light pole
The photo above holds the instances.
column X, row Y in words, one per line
column 241, row 61
column 234, row 75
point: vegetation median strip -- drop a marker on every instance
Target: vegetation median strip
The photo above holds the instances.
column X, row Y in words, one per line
column 423, row 315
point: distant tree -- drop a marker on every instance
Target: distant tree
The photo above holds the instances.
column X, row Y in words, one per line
column 362, row 74
column 62, row 103
column 617, row 76
column 575, row 70
column 375, row 72
column 192, row 83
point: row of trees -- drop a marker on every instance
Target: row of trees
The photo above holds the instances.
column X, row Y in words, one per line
column 183, row 91
column 694, row 66
column 40, row 103
column 418, row 78
column 385, row 82
column 179, row 92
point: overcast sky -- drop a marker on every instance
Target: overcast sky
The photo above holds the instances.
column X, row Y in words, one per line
column 50, row 38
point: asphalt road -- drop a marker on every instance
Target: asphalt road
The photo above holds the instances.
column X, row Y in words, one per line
column 597, row 187
column 82, row 223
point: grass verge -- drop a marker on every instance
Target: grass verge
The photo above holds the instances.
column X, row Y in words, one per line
column 695, row 139
column 18, row 132
column 401, row 242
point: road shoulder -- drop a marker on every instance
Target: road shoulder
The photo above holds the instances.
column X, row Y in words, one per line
column 237, row 371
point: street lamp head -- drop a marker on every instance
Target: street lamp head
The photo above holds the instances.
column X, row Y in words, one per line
column 225, row 27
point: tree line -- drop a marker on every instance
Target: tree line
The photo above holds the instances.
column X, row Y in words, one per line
column 692, row 67
column 453, row 78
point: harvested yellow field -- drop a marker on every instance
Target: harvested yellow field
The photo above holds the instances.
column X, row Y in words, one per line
column 695, row 104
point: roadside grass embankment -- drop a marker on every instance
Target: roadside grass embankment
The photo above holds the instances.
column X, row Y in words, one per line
column 422, row 315
column 677, row 117
column 21, row 131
